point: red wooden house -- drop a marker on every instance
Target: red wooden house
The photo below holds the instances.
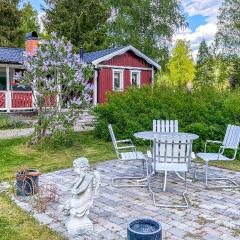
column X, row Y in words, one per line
column 114, row 70
column 117, row 68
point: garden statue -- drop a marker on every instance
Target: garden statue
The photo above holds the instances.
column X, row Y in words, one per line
column 83, row 190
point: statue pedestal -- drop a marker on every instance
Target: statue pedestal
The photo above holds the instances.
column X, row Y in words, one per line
column 76, row 227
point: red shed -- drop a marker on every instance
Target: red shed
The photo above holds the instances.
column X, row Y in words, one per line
column 117, row 68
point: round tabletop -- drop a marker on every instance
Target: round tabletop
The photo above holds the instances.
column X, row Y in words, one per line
column 150, row 135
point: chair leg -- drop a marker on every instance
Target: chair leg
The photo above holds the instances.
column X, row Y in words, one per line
column 140, row 179
column 185, row 205
column 206, row 175
column 207, row 179
column 165, row 181
column 195, row 170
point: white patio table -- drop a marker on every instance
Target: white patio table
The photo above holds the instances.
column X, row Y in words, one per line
column 150, row 135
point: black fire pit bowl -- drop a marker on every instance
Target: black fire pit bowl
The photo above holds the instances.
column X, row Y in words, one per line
column 144, row 229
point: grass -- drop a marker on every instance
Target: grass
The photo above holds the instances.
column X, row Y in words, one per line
column 16, row 154
column 231, row 165
column 16, row 224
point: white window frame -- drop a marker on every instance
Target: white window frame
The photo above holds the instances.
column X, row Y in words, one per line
column 138, row 79
column 121, row 71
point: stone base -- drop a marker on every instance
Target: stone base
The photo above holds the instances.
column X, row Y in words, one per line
column 76, row 226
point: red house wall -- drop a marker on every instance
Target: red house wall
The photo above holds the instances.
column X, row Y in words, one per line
column 129, row 59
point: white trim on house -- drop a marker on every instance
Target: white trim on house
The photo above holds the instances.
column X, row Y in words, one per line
column 122, row 67
column 122, row 51
column 121, row 71
column 16, row 66
column 95, row 90
column 152, row 75
column 138, row 77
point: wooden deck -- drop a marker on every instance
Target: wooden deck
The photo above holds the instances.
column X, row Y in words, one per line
column 20, row 101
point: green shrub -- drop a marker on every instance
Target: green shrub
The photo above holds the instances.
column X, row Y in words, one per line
column 59, row 140
column 205, row 112
column 10, row 122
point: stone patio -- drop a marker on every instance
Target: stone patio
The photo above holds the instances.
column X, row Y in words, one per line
column 213, row 214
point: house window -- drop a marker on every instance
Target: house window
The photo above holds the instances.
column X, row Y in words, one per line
column 117, row 80
column 135, row 78
column 3, row 79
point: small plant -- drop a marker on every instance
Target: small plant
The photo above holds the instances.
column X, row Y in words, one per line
column 46, row 194
column 10, row 122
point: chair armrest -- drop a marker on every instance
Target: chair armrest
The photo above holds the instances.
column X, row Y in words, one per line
column 123, row 141
column 211, row 141
column 125, row 147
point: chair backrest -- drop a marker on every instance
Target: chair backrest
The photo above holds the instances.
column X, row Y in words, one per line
column 172, row 149
column 165, row 125
column 114, row 141
column 232, row 137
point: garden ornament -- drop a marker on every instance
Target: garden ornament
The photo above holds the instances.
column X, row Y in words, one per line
column 83, row 191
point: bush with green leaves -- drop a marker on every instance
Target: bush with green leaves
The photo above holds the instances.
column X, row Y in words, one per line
column 205, row 111
column 10, row 122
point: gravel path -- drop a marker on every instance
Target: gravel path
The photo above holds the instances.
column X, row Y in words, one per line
column 85, row 123
column 11, row 133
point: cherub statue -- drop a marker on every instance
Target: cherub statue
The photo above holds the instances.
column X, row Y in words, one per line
column 83, row 191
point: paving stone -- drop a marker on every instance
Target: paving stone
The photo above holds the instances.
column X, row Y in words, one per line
column 177, row 232
column 43, row 218
column 210, row 237
column 212, row 214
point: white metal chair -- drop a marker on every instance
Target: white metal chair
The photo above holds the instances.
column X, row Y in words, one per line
column 165, row 125
column 127, row 152
column 171, row 154
column 231, row 141
column 168, row 126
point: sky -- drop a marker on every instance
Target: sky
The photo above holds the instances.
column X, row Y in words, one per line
column 200, row 14
column 202, row 18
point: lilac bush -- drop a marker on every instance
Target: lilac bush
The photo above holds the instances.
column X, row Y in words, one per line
column 55, row 72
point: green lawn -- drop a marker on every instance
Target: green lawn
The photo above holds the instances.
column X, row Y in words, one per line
column 16, row 224
column 16, row 154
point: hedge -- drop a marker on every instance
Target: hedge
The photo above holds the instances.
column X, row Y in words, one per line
column 205, row 112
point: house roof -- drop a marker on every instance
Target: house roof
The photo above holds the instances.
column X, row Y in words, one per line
column 11, row 55
column 91, row 56
column 100, row 56
column 15, row 55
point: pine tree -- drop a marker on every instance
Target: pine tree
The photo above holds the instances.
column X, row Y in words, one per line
column 10, row 24
column 181, row 66
column 204, row 67
column 82, row 22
